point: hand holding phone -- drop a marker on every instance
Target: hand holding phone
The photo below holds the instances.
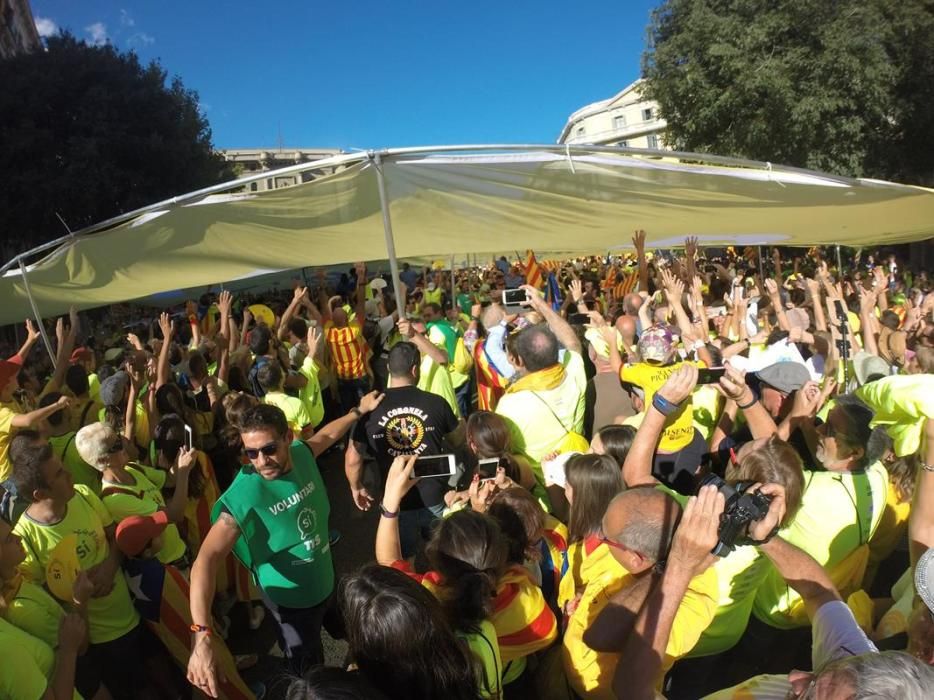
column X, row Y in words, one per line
column 514, row 297
column 710, row 375
column 434, row 466
column 189, row 438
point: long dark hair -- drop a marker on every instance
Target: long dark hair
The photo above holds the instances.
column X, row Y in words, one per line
column 469, row 551
column 400, row 640
column 595, row 480
column 616, row 440
column 169, row 437
column 488, row 435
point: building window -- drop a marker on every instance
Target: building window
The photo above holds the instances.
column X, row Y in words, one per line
column 647, row 114
column 652, row 140
column 253, row 187
column 619, row 121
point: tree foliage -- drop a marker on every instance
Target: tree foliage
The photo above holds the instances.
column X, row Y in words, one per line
column 845, row 86
column 89, row 133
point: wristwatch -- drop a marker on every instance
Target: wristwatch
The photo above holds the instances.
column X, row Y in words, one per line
column 357, row 412
column 387, row 513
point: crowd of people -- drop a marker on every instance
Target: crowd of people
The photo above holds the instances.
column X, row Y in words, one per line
column 667, row 474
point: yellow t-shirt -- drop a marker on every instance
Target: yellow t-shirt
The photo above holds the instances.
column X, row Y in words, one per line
column 36, row 612
column 82, row 472
column 679, row 426
column 6, row 437
column 296, row 414
column 110, row 616
column 739, row 574
column 310, row 394
column 27, row 664
column 891, row 530
column 839, row 513
column 533, row 416
column 143, row 497
column 590, row 673
column 434, row 379
column 83, row 412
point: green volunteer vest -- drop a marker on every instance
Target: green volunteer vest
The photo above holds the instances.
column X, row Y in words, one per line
column 284, row 530
column 450, row 336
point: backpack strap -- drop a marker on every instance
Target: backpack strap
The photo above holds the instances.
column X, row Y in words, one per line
column 67, row 445
column 84, row 413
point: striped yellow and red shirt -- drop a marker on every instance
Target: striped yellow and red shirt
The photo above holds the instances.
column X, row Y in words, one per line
column 347, row 349
column 523, row 621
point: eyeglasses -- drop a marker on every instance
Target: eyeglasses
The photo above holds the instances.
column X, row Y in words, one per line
column 615, row 545
column 267, row 450
column 116, row 446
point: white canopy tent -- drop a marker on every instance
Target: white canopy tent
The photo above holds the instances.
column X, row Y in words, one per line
column 434, row 202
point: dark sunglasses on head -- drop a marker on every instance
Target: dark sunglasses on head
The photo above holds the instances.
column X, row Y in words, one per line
column 267, row 450
column 116, row 446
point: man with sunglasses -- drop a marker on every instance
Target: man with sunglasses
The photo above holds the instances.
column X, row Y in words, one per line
column 274, row 518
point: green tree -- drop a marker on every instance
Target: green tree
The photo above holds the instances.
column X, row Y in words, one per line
column 843, row 86
column 89, row 133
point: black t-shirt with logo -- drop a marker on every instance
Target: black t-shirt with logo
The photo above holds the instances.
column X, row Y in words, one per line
column 408, row 421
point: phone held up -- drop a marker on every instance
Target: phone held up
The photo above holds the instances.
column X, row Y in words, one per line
column 514, row 297
column 434, row 466
column 710, row 375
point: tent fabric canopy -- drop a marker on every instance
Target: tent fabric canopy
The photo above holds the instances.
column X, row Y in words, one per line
column 464, row 200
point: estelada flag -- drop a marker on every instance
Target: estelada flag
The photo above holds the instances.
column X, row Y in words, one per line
column 628, row 285
column 533, row 273
column 162, row 597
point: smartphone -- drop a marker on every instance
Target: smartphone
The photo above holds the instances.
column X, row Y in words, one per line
column 576, row 319
column 189, row 438
column 514, row 297
column 434, row 466
column 486, row 468
column 710, row 375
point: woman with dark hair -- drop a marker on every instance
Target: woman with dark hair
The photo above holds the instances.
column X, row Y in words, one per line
column 613, row 441
column 488, row 438
column 469, row 573
column 329, row 683
column 401, row 641
column 591, row 482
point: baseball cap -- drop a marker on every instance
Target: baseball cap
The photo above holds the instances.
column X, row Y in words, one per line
column 866, row 365
column 113, row 388
column 79, row 355
column 136, row 532
column 924, row 578
column 785, row 376
column 656, row 344
column 8, row 370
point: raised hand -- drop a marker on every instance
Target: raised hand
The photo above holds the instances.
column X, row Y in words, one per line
column 298, row 293
column 225, row 302
column 32, row 332
column 577, row 290
column 370, row 401
column 690, row 247
column 698, row 530
column 674, row 288
column 733, row 383
column 638, row 241
column 312, row 338
column 167, row 326
column 760, row 530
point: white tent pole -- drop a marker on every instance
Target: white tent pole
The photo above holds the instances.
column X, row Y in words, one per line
column 35, row 311
column 453, row 286
column 387, row 230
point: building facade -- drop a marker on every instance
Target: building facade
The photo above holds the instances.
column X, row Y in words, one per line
column 250, row 161
column 626, row 119
column 17, row 29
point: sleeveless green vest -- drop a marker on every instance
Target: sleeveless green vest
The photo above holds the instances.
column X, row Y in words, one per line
column 284, row 530
column 450, row 336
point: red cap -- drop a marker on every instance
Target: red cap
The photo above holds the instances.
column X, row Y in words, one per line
column 8, row 370
column 136, row 532
column 80, row 354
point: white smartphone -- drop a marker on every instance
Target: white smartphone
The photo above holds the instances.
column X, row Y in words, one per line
column 514, row 297
column 486, row 468
column 434, row 466
column 189, row 438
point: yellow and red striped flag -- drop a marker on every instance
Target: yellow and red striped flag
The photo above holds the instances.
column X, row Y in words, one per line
column 533, row 273
column 628, row 285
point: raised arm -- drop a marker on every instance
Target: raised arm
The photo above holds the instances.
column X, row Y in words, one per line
column 167, row 326
column 425, row 346
column 561, row 328
column 820, row 319
column 360, row 307
column 297, row 296
column 66, row 343
column 638, row 242
column 336, row 429
column 222, row 338
column 867, row 304
column 733, row 386
column 175, row 508
column 399, row 482
column 642, row 657
column 921, row 524
column 637, row 469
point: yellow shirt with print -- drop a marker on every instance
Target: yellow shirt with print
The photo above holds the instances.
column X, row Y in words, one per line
column 839, row 513
column 7, row 413
column 296, row 414
column 590, row 673
column 679, row 426
column 110, row 616
column 143, row 497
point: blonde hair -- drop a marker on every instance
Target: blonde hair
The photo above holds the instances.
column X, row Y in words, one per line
column 94, row 442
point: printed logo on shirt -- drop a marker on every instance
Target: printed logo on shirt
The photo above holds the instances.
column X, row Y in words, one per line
column 307, row 522
column 404, row 429
column 292, row 500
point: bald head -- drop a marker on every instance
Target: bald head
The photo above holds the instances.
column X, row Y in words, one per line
column 632, row 303
column 537, row 347
column 642, row 520
column 626, row 325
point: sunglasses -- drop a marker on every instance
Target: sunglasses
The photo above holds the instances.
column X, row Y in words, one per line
column 267, row 450
column 116, row 446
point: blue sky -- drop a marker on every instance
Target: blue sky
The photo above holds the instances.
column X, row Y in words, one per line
column 373, row 74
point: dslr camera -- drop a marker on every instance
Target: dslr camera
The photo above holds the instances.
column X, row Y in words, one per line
column 742, row 507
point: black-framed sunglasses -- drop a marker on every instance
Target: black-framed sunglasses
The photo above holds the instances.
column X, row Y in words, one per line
column 116, row 446
column 267, row 450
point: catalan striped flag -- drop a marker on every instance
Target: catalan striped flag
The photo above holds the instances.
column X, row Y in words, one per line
column 162, row 596
column 491, row 385
column 346, row 345
column 628, row 285
column 533, row 273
